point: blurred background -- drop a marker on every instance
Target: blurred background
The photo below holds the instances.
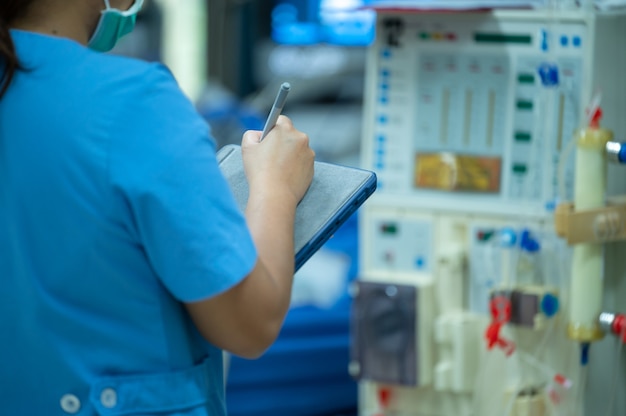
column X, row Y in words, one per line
column 230, row 57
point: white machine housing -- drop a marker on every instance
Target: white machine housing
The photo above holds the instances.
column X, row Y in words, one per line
column 507, row 89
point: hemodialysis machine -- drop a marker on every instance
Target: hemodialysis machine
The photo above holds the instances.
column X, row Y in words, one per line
column 492, row 257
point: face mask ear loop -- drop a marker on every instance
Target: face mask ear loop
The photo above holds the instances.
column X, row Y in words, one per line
column 137, row 4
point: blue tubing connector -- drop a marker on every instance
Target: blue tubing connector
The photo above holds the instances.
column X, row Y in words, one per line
column 550, row 305
column 616, row 152
column 584, row 353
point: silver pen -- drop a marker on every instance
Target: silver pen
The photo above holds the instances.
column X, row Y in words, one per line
column 277, row 108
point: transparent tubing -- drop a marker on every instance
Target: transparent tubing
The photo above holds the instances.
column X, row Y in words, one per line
column 553, row 15
column 512, row 259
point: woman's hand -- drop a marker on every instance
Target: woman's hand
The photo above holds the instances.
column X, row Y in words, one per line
column 282, row 162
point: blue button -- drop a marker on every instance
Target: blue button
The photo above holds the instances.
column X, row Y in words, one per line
column 380, row 151
column 384, row 86
column 384, row 99
column 528, row 243
column 379, row 166
column 420, row 262
column 382, row 119
column 577, row 41
column 564, row 40
column 508, row 237
column 381, row 139
column 385, row 73
column 549, row 74
column 386, row 53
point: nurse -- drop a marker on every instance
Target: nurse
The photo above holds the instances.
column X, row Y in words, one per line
column 125, row 265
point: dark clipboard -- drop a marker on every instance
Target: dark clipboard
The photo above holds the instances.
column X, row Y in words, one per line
column 336, row 192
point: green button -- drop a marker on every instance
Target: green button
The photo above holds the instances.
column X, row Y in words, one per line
column 424, row 35
column 485, row 236
column 390, row 228
column 526, row 78
column 521, row 136
column 524, row 105
column 520, row 168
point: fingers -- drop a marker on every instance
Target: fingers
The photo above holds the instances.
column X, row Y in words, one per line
column 283, row 159
column 284, row 121
column 285, row 124
column 284, row 130
column 254, row 136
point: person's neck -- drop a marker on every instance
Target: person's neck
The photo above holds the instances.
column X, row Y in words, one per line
column 62, row 24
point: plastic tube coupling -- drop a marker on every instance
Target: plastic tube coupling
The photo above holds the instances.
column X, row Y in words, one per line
column 613, row 323
column 606, row 320
column 615, row 152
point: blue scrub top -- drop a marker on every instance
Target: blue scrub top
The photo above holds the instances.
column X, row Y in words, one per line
column 113, row 211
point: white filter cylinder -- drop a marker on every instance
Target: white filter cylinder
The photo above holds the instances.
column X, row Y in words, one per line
column 458, row 346
column 586, row 292
column 450, row 279
column 587, row 267
column 590, row 186
column 443, row 375
column 465, row 354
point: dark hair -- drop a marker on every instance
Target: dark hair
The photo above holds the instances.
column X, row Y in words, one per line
column 9, row 11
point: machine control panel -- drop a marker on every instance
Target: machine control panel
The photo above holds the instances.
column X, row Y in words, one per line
column 473, row 109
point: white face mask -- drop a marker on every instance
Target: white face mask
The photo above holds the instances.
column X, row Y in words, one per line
column 113, row 25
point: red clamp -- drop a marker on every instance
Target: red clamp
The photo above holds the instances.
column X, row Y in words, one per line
column 619, row 326
column 500, row 307
column 384, row 398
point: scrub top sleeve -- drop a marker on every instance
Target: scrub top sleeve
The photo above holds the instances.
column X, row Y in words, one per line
column 180, row 207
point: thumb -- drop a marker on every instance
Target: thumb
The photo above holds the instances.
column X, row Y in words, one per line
column 251, row 138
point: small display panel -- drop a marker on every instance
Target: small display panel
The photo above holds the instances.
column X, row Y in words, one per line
column 503, row 38
column 451, row 172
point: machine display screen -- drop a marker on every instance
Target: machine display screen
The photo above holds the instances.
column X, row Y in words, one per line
column 451, row 172
column 336, row 22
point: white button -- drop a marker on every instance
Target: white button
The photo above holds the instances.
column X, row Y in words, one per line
column 70, row 404
column 108, row 398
